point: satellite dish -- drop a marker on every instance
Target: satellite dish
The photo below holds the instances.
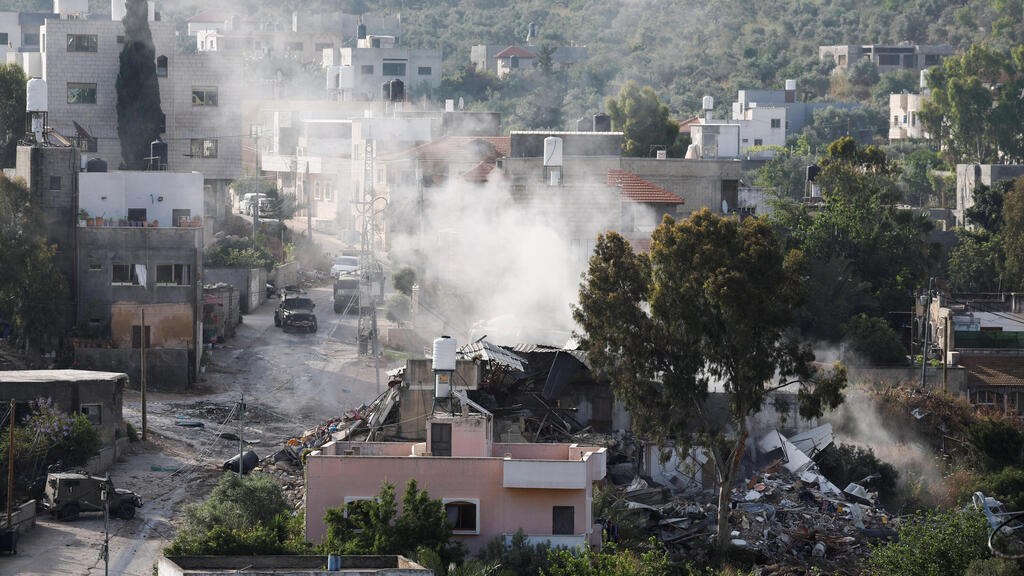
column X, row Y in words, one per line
column 725, row 206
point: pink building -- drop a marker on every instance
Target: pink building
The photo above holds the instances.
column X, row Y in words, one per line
column 490, row 489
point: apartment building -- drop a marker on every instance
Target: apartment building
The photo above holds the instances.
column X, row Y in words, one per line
column 358, row 73
column 888, row 57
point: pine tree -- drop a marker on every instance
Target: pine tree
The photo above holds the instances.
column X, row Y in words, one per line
column 138, row 94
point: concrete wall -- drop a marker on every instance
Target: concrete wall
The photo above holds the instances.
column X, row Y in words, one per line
column 287, row 565
column 23, row 517
column 285, row 274
column 251, row 284
column 69, row 390
column 969, row 176
column 167, row 369
column 108, row 455
column 112, row 194
column 699, row 182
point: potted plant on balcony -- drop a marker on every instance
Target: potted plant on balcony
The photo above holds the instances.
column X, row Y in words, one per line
column 156, row 223
column 83, row 215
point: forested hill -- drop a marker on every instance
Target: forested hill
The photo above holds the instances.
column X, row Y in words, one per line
column 683, row 48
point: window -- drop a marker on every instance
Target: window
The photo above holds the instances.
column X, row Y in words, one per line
column 393, row 69
column 95, row 267
column 842, row 59
column 985, row 398
column 776, row 122
column 888, row 59
column 895, row 120
column 3, row 38
column 321, row 46
column 463, row 516
column 513, row 62
column 93, row 413
column 424, row 71
column 932, row 60
column 180, row 217
column 124, row 275
column 366, row 69
column 562, row 520
column 120, row 39
column 357, row 509
column 161, row 68
column 293, row 46
column 745, row 140
column 328, row 193
column 204, row 148
column 54, row 182
column 316, row 191
column 81, row 93
column 136, row 214
column 30, row 39
column 441, row 439
column 758, row 142
column 81, row 42
column 912, row 121
column 173, row 274
column 204, row 95
column 137, row 337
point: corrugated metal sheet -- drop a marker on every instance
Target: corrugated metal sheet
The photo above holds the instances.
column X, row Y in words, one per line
column 492, row 353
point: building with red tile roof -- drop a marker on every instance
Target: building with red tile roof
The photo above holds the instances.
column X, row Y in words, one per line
column 636, row 189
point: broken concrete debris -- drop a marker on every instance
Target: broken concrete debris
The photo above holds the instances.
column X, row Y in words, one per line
column 787, row 511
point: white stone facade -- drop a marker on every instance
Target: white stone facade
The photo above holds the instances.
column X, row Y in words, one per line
column 903, row 116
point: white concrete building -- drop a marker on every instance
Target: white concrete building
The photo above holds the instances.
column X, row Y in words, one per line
column 903, row 111
column 359, row 73
column 751, row 127
column 165, row 197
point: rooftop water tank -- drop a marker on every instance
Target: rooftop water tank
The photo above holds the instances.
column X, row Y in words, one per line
column 360, row 31
column 708, row 103
column 602, row 122
column 585, row 124
column 158, row 152
column 552, row 151
column 96, row 165
column 444, row 353
column 35, row 96
column 924, row 79
column 790, row 85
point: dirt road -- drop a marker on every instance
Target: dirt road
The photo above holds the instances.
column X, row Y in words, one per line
column 290, row 382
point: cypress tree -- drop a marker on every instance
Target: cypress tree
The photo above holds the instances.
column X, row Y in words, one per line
column 138, row 93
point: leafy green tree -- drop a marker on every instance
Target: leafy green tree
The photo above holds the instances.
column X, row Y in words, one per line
column 786, row 174
column 470, row 84
column 518, row 556
column 863, row 73
column 710, row 305
column 993, row 566
column 832, row 123
column 1011, row 237
column 975, row 110
column 875, row 341
column 916, row 171
column 987, row 210
column 247, row 515
column 644, row 120
column 139, row 116
column 12, row 111
column 375, row 527
column 45, row 436
column 239, row 253
column 932, row 543
column 32, row 291
column 995, row 444
column 404, row 279
column 861, row 225
column 974, row 263
column 611, row 562
column 545, row 59
column 893, row 83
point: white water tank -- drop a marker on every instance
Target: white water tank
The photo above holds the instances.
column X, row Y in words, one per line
column 552, row 151
column 708, row 103
column 790, row 85
column 35, row 96
column 924, row 79
column 693, row 152
column 71, row 6
column 444, row 353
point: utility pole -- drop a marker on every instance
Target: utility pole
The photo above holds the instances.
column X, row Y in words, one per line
column 309, row 205
column 142, row 346
column 256, row 131
column 10, row 469
column 105, row 496
column 924, row 349
column 241, row 442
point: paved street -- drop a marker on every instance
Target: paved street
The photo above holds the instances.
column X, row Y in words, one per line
column 290, row 382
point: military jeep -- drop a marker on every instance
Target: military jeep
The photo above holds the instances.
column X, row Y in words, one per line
column 69, row 493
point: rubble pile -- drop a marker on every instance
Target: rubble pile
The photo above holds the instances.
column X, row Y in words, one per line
column 286, row 466
column 787, row 512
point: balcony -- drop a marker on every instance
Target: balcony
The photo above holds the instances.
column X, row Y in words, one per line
column 545, row 474
column 184, row 222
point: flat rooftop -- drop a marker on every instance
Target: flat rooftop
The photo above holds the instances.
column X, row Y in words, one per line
column 15, row 376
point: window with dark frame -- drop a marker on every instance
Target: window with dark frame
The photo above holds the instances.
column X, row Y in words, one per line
column 424, row 71
column 440, row 439
column 93, row 413
column 758, row 142
column 393, row 68
column 462, row 516
column 81, row 93
column 3, row 38
column 136, row 214
column 123, row 275
column 562, row 520
column 173, row 274
column 161, row 66
column 82, row 43
column 776, row 122
column 366, row 69
column 31, row 39
column 203, row 148
column 55, row 182
column 204, row 95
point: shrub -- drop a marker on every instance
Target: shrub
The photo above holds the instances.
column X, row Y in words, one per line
column 519, row 556
column 398, row 308
column 404, row 279
column 874, row 340
column 845, row 463
column 131, row 432
column 932, row 543
column 611, row 562
column 995, row 444
column 1006, row 486
column 994, row 567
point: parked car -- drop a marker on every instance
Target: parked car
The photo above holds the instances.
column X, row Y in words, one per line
column 67, row 494
column 247, row 203
column 295, row 311
column 344, row 265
